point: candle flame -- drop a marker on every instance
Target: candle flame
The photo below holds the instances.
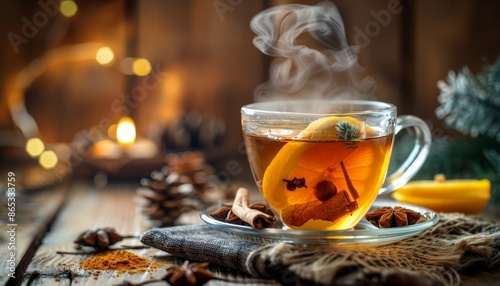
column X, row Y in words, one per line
column 125, row 131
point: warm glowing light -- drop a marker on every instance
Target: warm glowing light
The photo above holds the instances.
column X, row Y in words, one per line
column 169, row 107
column 112, row 131
column 125, row 131
column 106, row 149
column 141, row 67
column 34, row 147
column 48, row 159
column 105, row 56
column 68, row 8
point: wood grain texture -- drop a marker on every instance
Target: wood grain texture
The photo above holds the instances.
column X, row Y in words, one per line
column 87, row 208
column 34, row 213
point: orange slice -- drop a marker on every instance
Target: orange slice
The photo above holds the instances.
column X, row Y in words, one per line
column 319, row 159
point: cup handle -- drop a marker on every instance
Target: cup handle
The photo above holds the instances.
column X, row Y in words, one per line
column 417, row 156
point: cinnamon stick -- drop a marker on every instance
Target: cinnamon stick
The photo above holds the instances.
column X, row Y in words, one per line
column 255, row 218
column 348, row 181
column 331, row 210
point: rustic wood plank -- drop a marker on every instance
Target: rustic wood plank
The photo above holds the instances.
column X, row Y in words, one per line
column 87, row 208
column 34, row 213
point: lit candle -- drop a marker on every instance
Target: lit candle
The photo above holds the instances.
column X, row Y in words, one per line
column 125, row 132
column 135, row 148
column 459, row 195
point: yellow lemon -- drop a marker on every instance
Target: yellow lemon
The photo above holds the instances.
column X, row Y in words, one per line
column 326, row 128
column 457, row 195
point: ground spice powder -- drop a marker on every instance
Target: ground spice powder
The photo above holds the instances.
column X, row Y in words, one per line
column 120, row 260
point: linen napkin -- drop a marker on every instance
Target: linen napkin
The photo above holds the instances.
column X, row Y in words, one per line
column 457, row 244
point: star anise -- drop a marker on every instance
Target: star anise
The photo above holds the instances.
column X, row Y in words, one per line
column 386, row 217
column 190, row 274
column 99, row 238
column 187, row 274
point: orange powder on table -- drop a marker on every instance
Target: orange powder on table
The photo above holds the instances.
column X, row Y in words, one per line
column 120, row 260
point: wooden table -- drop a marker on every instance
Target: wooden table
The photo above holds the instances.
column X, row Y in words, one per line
column 50, row 220
column 58, row 215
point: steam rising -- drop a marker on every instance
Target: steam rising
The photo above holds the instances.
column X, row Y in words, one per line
column 303, row 71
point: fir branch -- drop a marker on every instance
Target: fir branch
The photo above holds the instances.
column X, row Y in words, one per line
column 345, row 130
column 471, row 105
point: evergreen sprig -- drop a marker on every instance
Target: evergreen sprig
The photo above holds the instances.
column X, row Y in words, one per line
column 345, row 130
column 471, row 104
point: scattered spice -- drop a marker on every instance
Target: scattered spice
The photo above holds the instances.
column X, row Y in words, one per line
column 120, row 260
column 386, row 217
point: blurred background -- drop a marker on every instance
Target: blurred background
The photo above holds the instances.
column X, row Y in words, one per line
column 180, row 71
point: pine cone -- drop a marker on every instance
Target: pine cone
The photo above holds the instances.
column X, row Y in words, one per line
column 180, row 186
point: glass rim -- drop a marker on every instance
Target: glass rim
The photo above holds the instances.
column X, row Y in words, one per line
column 368, row 106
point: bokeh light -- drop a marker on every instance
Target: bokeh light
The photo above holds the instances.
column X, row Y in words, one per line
column 126, row 65
column 48, row 159
column 125, row 131
column 112, row 131
column 68, row 8
column 141, row 67
column 105, row 56
column 34, row 147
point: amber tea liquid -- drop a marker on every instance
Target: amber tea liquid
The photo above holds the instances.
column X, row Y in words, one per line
column 318, row 185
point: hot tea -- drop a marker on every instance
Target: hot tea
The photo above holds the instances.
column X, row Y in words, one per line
column 320, row 177
column 321, row 164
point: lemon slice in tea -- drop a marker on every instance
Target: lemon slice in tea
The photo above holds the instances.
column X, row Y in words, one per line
column 316, row 157
column 336, row 128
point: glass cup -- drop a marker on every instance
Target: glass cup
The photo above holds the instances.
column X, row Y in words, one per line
column 321, row 164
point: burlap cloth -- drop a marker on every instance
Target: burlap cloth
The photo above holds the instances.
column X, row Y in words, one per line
column 457, row 245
